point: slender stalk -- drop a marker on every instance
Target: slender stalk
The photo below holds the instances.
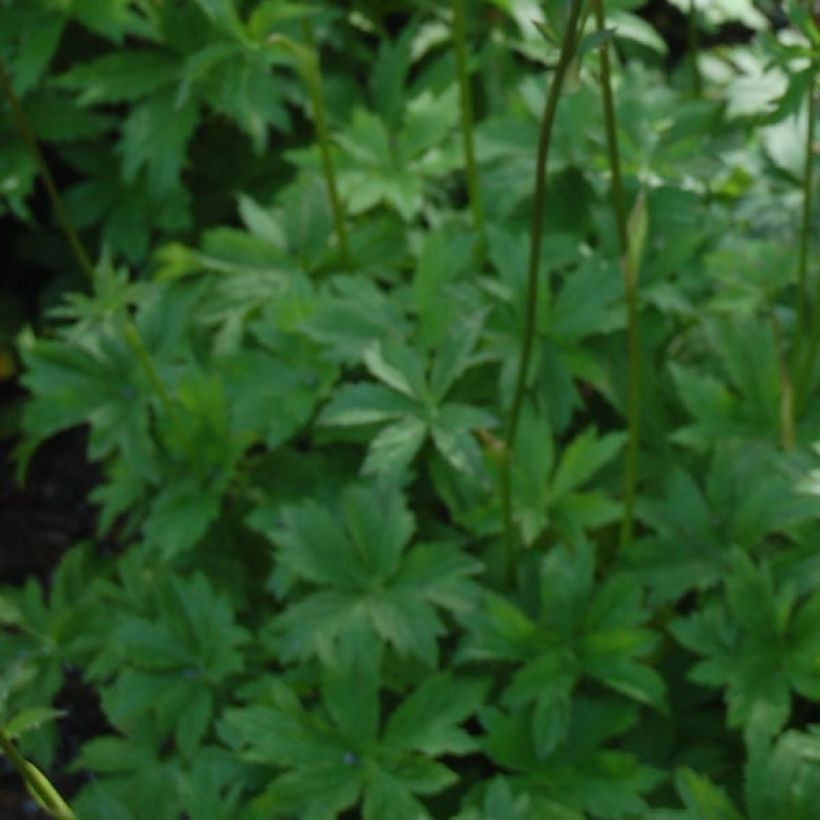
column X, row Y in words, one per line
column 787, row 435
column 313, row 80
column 29, row 137
column 80, row 254
column 37, row 783
column 466, row 100
column 142, row 355
column 694, row 50
column 611, row 127
column 806, row 373
column 633, row 410
column 568, row 46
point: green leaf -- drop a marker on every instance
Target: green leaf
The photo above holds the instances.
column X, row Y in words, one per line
column 631, row 27
column 392, row 450
column 122, row 76
column 42, row 32
column 594, row 40
column 29, row 719
column 637, row 230
column 443, row 258
column 350, row 688
column 532, row 472
column 365, row 403
column 453, row 434
column 261, row 222
column 223, row 14
column 179, row 517
column 453, row 356
column 385, row 796
column 427, row 721
column 399, row 367
column 379, row 526
column 703, row 800
column 155, row 137
column 369, row 582
column 584, row 457
column 351, row 315
column 389, row 74
column 256, row 382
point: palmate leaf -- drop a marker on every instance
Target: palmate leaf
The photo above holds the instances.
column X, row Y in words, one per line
column 416, row 409
column 97, row 381
column 170, row 658
column 743, row 642
column 747, row 497
column 332, row 758
column 352, row 313
column 581, row 777
column 375, row 169
column 550, row 490
column 370, row 581
column 267, row 397
column 685, row 551
column 579, row 631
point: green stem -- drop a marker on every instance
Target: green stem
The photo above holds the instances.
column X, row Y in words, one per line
column 633, row 409
column 787, row 435
column 611, row 127
column 142, row 355
column 694, row 50
column 313, row 80
column 568, row 46
column 466, row 99
column 80, row 254
column 37, row 783
column 806, row 374
column 30, row 139
column 633, row 414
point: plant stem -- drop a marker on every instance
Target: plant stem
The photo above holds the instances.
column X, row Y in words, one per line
column 633, row 409
column 29, row 137
column 313, row 80
column 805, row 374
column 142, row 355
column 568, row 46
column 694, row 50
column 787, row 436
column 36, row 782
column 466, row 100
column 611, row 126
column 80, row 254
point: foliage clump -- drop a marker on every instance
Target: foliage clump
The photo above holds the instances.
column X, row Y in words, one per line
column 449, row 481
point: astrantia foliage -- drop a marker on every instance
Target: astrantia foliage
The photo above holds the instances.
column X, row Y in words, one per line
column 365, row 582
column 369, row 558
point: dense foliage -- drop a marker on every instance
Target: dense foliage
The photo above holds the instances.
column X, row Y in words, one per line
column 368, row 563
